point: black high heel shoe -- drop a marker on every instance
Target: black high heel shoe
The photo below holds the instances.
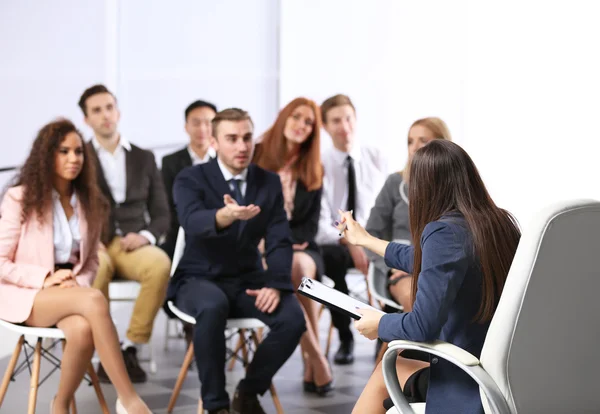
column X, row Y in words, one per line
column 320, row 390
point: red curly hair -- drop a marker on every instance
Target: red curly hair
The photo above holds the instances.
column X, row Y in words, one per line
column 272, row 153
column 37, row 173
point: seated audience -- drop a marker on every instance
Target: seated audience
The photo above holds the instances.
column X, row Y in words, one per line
column 463, row 247
column 226, row 207
column 129, row 179
column 353, row 175
column 198, row 118
column 50, row 228
column 389, row 216
column 291, row 148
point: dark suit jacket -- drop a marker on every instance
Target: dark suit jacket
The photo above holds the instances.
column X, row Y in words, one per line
column 145, row 193
column 232, row 252
column 172, row 165
column 448, row 298
column 305, row 217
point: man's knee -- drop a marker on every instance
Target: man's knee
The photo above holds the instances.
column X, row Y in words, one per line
column 292, row 319
column 157, row 267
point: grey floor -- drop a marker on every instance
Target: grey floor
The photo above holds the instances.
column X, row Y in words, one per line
column 349, row 380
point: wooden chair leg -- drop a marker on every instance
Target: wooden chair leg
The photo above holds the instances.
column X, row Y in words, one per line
column 380, row 354
column 369, row 292
column 329, row 335
column 244, row 347
column 189, row 356
column 237, row 349
column 35, row 376
column 274, row 395
column 98, row 389
column 11, row 368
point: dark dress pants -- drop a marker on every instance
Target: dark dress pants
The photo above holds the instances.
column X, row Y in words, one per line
column 211, row 303
column 337, row 261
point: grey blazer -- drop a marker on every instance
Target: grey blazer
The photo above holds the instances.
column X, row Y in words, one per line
column 145, row 206
column 389, row 217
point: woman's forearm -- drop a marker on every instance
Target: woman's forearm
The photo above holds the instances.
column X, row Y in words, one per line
column 374, row 244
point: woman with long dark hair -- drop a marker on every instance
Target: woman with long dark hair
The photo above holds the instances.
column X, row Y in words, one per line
column 291, row 148
column 50, row 227
column 463, row 247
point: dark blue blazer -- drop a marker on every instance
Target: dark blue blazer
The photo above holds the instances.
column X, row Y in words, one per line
column 232, row 252
column 448, row 298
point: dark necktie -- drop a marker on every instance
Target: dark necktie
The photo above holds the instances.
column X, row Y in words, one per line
column 237, row 192
column 351, row 206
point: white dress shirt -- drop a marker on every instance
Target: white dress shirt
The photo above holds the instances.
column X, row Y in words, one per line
column 196, row 159
column 229, row 176
column 115, row 173
column 371, row 170
column 67, row 237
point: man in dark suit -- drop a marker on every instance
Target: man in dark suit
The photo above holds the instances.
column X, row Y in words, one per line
column 226, row 207
column 198, row 118
column 139, row 216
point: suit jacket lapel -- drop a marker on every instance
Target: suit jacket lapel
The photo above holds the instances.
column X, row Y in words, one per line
column 100, row 173
column 130, row 172
column 185, row 160
column 250, row 196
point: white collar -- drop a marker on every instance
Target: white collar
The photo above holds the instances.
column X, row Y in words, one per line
column 211, row 153
column 341, row 156
column 73, row 201
column 228, row 175
column 123, row 142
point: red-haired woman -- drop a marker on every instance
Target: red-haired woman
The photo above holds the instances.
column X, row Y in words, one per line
column 50, row 228
column 291, row 148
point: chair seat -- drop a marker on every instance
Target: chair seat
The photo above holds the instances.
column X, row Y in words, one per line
column 418, row 408
column 39, row 332
column 123, row 290
column 234, row 323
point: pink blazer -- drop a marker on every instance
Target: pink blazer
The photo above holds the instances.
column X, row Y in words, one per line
column 27, row 257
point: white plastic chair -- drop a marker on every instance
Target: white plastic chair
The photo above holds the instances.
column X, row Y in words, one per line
column 32, row 362
column 238, row 324
column 537, row 357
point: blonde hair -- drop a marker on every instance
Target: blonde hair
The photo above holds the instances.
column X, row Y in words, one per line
column 438, row 128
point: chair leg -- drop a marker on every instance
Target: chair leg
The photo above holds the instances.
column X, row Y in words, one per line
column 98, row 389
column 380, row 354
column 35, row 376
column 237, row 349
column 189, row 356
column 11, row 368
column 329, row 335
column 369, row 292
column 274, row 395
column 244, row 347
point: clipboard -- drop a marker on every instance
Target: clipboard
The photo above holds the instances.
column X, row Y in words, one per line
column 332, row 298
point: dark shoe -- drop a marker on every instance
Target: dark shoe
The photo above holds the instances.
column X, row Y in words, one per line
column 220, row 411
column 136, row 374
column 309, row 386
column 102, row 376
column 245, row 403
column 324, row 390
column 345, row 354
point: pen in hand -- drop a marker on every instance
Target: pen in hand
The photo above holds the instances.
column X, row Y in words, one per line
column 345, row 225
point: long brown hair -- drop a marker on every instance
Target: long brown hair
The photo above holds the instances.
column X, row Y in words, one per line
column 272, row 153
column 444, row 179
column 36, row 177
column 438, row 128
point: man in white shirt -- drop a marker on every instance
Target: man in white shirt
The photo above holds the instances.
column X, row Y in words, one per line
column 130, row 180
column 198, row 118
column 354, row 175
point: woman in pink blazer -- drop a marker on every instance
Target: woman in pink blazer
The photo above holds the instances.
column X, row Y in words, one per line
column 50, row 225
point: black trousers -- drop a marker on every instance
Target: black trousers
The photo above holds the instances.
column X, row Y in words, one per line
column 211, row 303
column 337, row 261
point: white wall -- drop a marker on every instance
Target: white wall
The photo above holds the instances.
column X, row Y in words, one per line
column 517, row 82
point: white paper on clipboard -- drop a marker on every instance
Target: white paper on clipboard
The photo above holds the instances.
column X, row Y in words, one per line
column 330, row 297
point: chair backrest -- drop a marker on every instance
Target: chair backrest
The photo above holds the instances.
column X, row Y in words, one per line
column 179, row 249
column 542, row 345
column 377, row 282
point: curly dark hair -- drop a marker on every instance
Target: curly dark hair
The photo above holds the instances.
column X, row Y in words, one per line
column 38, row 171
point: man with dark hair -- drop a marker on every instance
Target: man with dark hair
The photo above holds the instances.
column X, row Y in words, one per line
column 226, row 206
column 354, row 175
column 198, row 118
column 139, row 216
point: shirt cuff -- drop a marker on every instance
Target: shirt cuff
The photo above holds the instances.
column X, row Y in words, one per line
column 149, row 236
